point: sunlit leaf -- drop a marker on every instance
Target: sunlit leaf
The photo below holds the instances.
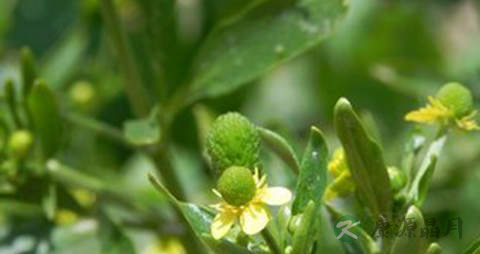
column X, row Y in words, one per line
column 240, row 50
column 313, row 172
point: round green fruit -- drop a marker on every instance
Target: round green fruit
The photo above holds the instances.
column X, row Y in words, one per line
column 236, row 186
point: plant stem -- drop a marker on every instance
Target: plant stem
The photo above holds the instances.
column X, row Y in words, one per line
column 164, row 166
column 271, row 242
column 97, row 127
column 133, row 84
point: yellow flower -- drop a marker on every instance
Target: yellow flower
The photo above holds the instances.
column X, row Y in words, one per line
column 342, row 184
column 253, row 216
column 453, row 104
column 436, row 112
column 65, row 217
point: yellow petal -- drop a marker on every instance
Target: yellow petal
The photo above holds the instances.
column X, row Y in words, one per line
column 468, row 125
column 222, row 224
column 254, row 219
column 276, row 196
column 433, row 112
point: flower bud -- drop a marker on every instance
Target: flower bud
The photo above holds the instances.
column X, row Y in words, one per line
column 82, row 94
column 236, row 185
column 456, row 97
column 338, row 163
column 20, row 144
column 233, row 141
column 398, row 179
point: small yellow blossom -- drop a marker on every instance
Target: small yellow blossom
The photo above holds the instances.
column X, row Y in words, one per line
column 170, row 246
column 342, row 184
column 65, row 217
column 436, row 112
column 253, row 216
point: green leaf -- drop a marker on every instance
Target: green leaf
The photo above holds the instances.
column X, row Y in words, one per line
column 239, row 50
column 49, row 201
column 283, row 217
column 364, row 244
column 313, row 172
column 434, row 248
column 113, row 239
column 29, row 72
column 19, row 208
column 281, row 147
column 145, row 131
column 199, row 218
column 302, row 241
column 365, row 161
column 421, row 182
column 413, row 245
column 474, row 247
column 46, row 118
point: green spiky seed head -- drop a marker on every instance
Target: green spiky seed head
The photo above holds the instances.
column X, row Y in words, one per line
column 236, row 185
column 456, row 97
column 20, row 143
column 233, row 141
column 398, row 179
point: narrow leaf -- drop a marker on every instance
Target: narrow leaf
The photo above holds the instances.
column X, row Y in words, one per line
column 313, row 173
column 303, row 237
column 365, row 161
column 29, row 72
column 412, row 245
column 46, row 119
column 364, row 244
column 281, row 147
column 200, row 219
column 113, row 239
column 474, row 247
column 49, row 201
column 239, row 50
column 421, row 181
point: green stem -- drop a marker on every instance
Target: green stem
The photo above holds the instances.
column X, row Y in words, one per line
column 98, row 127
column 165, row 168
column 133, row 84
column 271, row 242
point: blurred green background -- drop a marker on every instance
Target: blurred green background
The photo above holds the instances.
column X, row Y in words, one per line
column 385, row 57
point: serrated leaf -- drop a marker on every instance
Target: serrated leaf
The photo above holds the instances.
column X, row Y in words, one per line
column 281, row 147
column 413, row 245
column 199, row 218
column 240, row 50
column 421, row 182
column 146, row 131
column 46, row 119
column 365, row 161
column 313, row 172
